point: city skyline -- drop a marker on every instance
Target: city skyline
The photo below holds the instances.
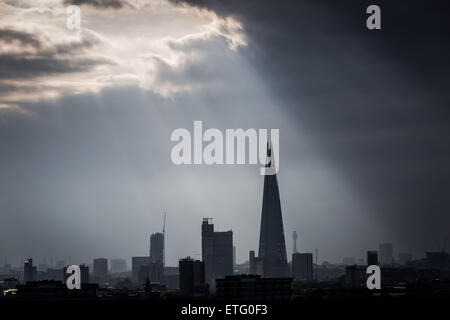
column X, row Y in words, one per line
column 86, row 118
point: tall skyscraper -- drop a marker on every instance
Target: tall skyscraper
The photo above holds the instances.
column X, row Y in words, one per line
column 157, row 248
column 386, row 257
column 272, row 245
column 101, row 269
column 294, row 238
column 29, row 271
column 217, row 252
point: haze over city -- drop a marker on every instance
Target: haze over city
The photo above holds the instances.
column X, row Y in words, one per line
column 86, row 118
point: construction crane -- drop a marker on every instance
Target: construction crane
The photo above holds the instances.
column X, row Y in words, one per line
column 164, row 222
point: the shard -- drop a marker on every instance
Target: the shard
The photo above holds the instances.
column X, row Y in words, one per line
column 272, row 246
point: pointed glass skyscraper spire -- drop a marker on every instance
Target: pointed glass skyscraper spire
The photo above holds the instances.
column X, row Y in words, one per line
column 272, row 246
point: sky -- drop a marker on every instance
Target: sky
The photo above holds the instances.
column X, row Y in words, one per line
column 86, row 118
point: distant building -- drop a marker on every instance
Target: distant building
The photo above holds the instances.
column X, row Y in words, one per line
column 84, row 274
column 386, row 257
column 404, row 258
column 372, row 258
column 153, row 271
column 172, row 277
column 192, row 278
column 136, row 264
column 217, row 252
column 302, row 266
column 253, row 287
column 118, row 265
column 157, row 248
column 356, row 276
column 29, row 271
column 101, row 269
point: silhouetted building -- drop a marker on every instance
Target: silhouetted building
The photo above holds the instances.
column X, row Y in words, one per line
column 84, row 274
column 372, row 258
column 356, row 276
column 154, row 271
column 404, row 258
column 386, row 257
column 302, row 266
column 253, row 287
column 136, row 264
column 252, row 262
column 272, row 245
column 101, row 269
column 172, row 277
column 29, row 271
column 157, row 248
column 217, row 252
column 118, row 265
column 192, row 278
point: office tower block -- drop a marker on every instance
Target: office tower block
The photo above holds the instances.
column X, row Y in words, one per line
column 118, row 265
column 372, row 258
column 272, row 245
column 101, row 269
column 136, row 264
column 29, row 271
column 84, row 273
column 386, row 254
column 302, row 266
column 217, row 252
column 157, row 248
column 192, row 278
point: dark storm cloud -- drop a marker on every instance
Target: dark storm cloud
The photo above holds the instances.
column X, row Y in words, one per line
column 46, row 58
column 22, row 66
column 114, row 4
column 374, row 102
column 23, row 38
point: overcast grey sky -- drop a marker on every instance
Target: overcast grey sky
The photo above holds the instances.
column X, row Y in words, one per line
column 86, row 118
